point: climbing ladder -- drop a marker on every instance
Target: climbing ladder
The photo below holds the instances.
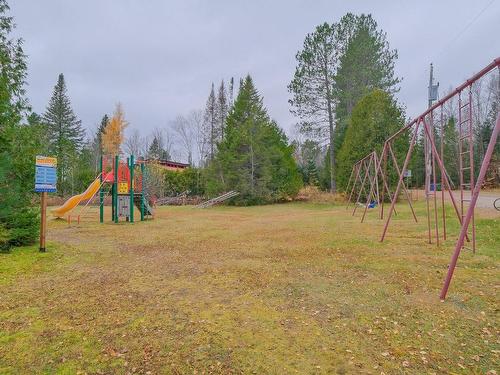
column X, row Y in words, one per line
column 217, row 200
column 466, row 158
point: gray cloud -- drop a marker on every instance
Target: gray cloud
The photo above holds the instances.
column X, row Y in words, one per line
column 159, row 57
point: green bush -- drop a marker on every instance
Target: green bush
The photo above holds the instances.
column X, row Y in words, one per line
column 189, row 179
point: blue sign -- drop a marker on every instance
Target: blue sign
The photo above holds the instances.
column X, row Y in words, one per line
column 45, row 174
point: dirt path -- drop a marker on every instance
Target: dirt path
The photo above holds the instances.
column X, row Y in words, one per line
column 484, row 201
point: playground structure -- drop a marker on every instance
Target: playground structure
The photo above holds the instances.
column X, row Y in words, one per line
column 126, row 187
column 430, row 125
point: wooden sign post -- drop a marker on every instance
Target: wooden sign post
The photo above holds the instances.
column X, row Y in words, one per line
column 43, row 220
column 45, row 182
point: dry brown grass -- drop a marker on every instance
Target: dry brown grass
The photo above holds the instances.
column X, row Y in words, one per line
column 290, row 288
column 312, row 194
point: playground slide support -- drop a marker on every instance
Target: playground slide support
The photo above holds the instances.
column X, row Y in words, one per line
column 131, row 190
column 142, row 192
column 101, row 194
column 115, row 190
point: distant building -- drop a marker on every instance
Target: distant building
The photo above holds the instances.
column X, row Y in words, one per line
column 168, row 164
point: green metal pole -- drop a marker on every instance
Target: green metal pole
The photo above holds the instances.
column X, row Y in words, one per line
column 142, row 191
column 131, row 169
column 112, row 202
column 116, row 189
column 101, row 195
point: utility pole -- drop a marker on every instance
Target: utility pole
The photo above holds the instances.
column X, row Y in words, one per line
column 429, row 159
column 431, row 81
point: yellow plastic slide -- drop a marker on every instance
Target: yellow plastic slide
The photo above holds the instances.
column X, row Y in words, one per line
column 75, row 200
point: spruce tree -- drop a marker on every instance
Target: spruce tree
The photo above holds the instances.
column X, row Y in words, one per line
column 374, row 118
column 210, row 123
column 18, row 143
column 231, row 92
column 154, row 151
column 312, row 87
column 367, row 63
column 65, row 132
column 222, row 110
column 100, row 131
column 254, row 157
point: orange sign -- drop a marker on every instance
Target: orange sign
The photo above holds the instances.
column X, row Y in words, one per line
column 46, row 161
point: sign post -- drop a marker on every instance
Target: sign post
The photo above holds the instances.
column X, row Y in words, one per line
column 45, row 182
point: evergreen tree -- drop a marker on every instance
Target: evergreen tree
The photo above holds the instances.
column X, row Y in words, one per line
column 366, row 64
column 484, row 131
column 374, row 118
column 154, row 151
column 210, row 123
column 222, row 110
column 100, row 131
column 312, row 86
column 307, row 156
column 18, row 143
column 254, row 157
column 338, row 64
column 231, row 92
column 65, row 133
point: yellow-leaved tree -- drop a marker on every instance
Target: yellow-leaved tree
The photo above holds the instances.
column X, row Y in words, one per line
column 113, row 135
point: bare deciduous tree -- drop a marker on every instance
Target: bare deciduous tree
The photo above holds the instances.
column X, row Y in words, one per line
column 195, row 120
column 185, row 134
column 134, row 144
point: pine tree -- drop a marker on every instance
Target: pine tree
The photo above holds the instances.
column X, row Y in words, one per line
column 64, row 130
column 366, row 64
column 154, row 151
column 18, row 144
column 312, row 171
column 338, row 64
column 101, row 130
column 231, row 92
column 254, row 157
column 312, row 86
column 222, row 110
column 210, row 123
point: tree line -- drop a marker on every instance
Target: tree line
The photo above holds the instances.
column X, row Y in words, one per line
column 342, row 93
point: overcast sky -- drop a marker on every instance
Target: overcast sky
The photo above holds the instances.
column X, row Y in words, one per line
column 159, row 58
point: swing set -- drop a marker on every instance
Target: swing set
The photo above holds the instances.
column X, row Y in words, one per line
column 373, row 170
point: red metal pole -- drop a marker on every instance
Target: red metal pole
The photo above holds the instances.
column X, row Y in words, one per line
column 350, row 177
column 471, row 164
column 468, row 216
column 376, row 163
column 383, row 174
column 443, row 170
column 357, row 166
column 442, row 182
column 436, row 225
column 404, row 185
column 396, row 193
column 427, row 183
column 362, row 188
column 372, row 183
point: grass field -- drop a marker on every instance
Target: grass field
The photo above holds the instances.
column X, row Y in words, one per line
column 293, row 288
